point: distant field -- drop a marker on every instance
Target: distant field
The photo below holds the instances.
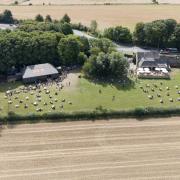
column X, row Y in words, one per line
column 87, row 1
column 106, row 16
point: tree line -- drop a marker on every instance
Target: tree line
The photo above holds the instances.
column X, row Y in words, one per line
column 19, row 48
column 45, row 40
column 97, row 56
column 159, row 33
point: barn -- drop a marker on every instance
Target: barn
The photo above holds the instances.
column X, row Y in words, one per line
column 39, row 72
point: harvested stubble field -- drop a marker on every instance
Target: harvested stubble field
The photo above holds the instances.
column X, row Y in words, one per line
column 126, row 15
column 106, row 150
column 87, row 1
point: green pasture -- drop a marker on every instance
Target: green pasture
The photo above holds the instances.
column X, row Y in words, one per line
column 87, row 95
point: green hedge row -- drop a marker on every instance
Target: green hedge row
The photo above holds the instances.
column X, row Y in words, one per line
column 99, row 113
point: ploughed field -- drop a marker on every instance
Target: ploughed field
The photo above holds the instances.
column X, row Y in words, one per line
column 80, row 94
column 113, row 149
column 125, row 15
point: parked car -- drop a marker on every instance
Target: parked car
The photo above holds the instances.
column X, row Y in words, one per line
column 169, row 51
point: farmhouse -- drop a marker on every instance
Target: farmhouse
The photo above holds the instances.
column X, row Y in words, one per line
column 39, row 72
column 149, row 65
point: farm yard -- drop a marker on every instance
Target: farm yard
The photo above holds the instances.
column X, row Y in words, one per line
column 105, row 15
column 114, row 149
column 80, row 94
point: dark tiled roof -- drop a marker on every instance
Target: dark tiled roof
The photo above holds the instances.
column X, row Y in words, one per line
column 148, row 62
column 39, row 70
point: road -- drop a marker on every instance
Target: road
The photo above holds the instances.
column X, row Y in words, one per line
column 120, row 48
column 101, row 150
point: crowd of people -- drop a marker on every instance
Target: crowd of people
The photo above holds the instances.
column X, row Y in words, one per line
column 51, row 88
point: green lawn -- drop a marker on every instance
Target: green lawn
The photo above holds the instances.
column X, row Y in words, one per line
column 85, row 96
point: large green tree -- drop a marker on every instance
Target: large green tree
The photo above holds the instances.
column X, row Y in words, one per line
column 118, row 34
column 113, row 65
column 69, row 49
column 101, row 45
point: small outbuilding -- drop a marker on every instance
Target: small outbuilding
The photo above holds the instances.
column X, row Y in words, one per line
column 40, row 72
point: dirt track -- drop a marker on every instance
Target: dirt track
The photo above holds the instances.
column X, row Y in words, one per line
column 100, row 150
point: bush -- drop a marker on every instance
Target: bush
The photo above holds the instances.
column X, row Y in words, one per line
column 30, row 26
column 80, row 27
column 39, row 18
column 48, row 18
column 98, row 113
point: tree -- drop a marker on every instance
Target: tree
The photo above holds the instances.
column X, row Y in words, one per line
column 93, row 26
column 170, row 26
column 30, row 26
column 155, row 2
column 155, row 33
column 66, row 19
column 139, row 34
column 118, row 34
column 39, row 18
column 66, row 28
column 175, row 38
column 69, row 49
column 84, row 45
column 82, row 58
column 101, row 45
column 16, row 2
column 18, row 48
column 118, row 65
column 48, row 18
column 80, row 27
column 6, row 17
column 113, row 65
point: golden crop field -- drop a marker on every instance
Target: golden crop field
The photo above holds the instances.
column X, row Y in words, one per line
column 87, row 1
column 101, row 150
column 126, row 15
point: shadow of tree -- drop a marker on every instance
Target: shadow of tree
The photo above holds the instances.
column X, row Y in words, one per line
column 124, row 85
column 9, row 86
